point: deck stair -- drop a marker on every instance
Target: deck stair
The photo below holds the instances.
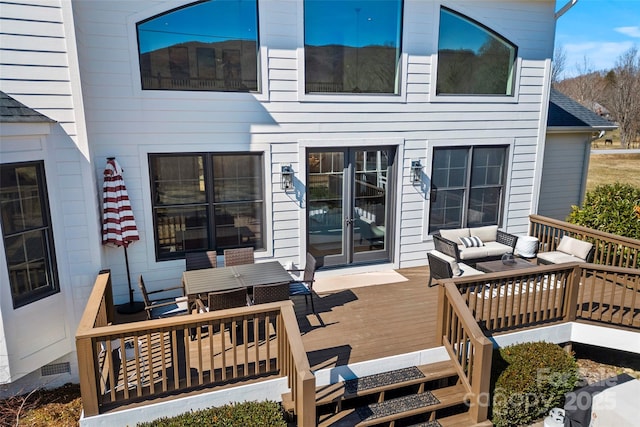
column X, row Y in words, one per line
column 428, row 395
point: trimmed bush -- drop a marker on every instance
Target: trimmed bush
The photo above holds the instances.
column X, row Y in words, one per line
column 536, row 378
column 267, row 414
column 612, row 208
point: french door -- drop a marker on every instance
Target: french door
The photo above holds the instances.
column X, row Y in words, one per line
column 348, row 204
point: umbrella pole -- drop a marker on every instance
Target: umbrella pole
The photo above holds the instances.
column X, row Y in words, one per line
column 132, row 306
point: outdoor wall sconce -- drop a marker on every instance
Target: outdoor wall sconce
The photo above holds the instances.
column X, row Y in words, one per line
column 416, row 172
column 286, row 181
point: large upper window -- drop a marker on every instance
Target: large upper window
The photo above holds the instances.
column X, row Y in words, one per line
column 473, row 60
column 352, row 46
column 27, row 233
column 210, row 46
column 467, row 186
column 206, row 202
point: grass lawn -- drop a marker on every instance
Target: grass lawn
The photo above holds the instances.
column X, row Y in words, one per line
column 610, row 168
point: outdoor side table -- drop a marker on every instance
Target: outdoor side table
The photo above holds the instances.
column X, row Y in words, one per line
column 527, row 246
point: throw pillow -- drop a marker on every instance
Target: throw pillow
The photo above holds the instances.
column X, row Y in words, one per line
column 471, row 242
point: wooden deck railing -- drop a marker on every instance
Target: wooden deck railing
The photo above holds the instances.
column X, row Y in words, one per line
column 132, row 362
column 609, row 295
column 467, row 346
column 610, row 249
column 540, row 295
column 477, row 306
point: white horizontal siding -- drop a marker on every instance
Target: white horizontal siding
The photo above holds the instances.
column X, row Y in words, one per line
column 128, row 123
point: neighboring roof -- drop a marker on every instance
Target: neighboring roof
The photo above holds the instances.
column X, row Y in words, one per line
column 12, row 111
column 564, row 112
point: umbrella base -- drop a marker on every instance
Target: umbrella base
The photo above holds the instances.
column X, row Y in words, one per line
column 130, row 307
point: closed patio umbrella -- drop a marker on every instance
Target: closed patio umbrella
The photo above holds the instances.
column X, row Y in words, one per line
column 118, row 225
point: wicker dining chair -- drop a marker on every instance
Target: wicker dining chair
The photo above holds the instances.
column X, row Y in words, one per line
column 263, row 294
column 200, row 260
column 304, row 286
column 238, row 256
column 222, row 300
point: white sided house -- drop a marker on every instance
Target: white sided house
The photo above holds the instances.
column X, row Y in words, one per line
column 350, row 130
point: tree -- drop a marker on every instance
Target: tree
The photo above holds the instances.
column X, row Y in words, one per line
column 558, row 64
column 623, row 95
column 587, row 88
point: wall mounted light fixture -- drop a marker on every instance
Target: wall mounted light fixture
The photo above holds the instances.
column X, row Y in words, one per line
column 416, row 172
column 286, row 180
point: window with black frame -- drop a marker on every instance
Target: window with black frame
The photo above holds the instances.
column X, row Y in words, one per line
column 472, row 59
column 206, row 202
column 204, row 46
column 27, row 232
column 467, row 186
column 352, row 46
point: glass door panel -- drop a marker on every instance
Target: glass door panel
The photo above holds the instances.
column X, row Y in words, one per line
column 370, row 200
column 325, row 206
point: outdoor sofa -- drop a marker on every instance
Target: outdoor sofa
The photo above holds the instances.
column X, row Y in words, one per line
column 568, row 250
column 476, row 244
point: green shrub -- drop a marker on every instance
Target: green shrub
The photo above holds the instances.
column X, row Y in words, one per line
column 267, row 414
column 612, row 208
column 536, row 378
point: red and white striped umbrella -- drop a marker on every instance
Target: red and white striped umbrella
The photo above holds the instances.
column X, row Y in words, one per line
column 118, row 225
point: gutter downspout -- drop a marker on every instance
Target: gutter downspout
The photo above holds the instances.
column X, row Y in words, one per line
column 565, row 8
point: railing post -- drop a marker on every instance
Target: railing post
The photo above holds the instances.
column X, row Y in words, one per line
column 87, row 373
column 572, row 289
column 481, row 381
column 306, row 415
column 440, row 321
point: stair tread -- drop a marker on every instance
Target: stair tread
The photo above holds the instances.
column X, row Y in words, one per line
column 396, row 408
column 342, row 390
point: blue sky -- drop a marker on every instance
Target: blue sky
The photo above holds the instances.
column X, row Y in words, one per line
column 599, row 30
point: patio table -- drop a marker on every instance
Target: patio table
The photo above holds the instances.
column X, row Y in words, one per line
column 497, row 266
column 201, row 282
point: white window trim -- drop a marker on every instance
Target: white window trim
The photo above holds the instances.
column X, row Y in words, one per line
column 467, row 99
column 431, row 145
column 400, row 97
column 134, row 62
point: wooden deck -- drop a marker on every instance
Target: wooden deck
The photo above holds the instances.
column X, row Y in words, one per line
column 360, row 324
column 367, row 323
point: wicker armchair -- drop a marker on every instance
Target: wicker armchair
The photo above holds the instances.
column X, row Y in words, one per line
column 238, row 256
column 201, row 260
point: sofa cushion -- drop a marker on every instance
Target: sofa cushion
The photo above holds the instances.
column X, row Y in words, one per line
column 471, row 241
column 575, row 247
column 473, row 253
column 486, row 234
column 455, row 234
column 466, row 271
column 490, row 249
column 495, row 248
column 557, row 257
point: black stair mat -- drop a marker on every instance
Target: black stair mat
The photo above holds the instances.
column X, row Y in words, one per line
column 394, row 406
column 434, row 423
column 377, row 380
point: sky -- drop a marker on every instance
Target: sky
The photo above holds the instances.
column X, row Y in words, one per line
column 598, row 30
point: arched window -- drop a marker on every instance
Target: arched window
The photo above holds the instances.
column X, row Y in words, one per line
column 209, row 46
column 472, row 59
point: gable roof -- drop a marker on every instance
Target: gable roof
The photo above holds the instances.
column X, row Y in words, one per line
column 567, row 114
column 12, row 111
